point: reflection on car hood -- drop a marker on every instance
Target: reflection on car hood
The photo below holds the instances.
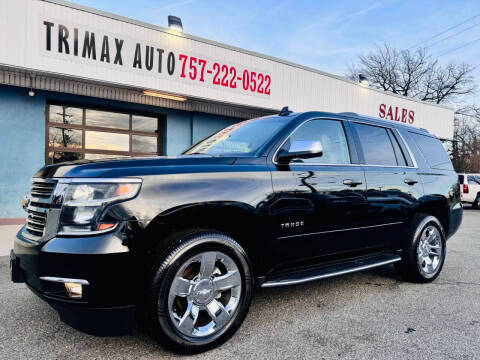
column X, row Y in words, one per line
column 135, row 166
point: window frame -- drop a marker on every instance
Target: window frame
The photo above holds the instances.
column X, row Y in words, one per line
column 476, row 179
column 404, row 148
column 158, row 134
column 346, row 129
column 394, row 141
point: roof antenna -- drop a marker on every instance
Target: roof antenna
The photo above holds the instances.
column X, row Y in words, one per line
column 285, row 111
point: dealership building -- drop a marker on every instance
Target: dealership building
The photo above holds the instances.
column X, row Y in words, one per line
column 78, row 83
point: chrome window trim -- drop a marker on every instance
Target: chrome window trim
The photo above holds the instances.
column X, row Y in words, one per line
column 415, row 164
column 351, row 164
column 64, row 280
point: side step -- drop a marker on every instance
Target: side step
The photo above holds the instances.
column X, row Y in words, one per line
column 332, row 269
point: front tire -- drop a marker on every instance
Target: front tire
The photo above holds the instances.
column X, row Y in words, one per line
column 425, row 251
column 199, row 292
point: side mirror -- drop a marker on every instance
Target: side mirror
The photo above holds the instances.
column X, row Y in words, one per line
column 302, row 149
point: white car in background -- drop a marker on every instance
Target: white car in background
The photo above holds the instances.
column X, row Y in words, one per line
column 470, row 189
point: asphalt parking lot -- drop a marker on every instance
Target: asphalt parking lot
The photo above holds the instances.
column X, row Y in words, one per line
column 368, row 315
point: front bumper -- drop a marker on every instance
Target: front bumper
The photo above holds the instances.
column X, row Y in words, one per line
column 103, row 262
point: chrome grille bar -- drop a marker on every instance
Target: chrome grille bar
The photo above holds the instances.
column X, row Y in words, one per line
column 41, row 194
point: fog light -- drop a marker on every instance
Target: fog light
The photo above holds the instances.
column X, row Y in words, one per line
column 74, row 290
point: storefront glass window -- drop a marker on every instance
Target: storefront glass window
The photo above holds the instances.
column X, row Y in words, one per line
column 66, row 115
column 143, row 123
column 75, row 133
column 58, row 157
column 101, row 156
column 144, row 143
column 65, row 138
column 108, row 119
column 106, row 141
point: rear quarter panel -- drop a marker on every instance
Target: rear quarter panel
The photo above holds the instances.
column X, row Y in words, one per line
column 441, row 189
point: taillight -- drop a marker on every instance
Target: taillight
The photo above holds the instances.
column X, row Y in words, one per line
column 465, row 188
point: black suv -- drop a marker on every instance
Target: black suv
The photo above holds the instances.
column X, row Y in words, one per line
column 280, row 200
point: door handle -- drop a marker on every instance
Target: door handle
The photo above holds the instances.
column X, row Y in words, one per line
column 410, row 181
column 352, row 183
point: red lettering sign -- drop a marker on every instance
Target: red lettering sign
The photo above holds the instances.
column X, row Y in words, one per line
column 395, row 113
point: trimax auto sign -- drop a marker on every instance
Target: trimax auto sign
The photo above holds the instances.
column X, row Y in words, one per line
column 66, row 42
column 396, row 113
column 84, row 44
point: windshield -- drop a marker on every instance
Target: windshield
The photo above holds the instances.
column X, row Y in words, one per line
column 240, row 139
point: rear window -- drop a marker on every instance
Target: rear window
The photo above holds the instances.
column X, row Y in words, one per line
column 473, row 179
column 433, row 151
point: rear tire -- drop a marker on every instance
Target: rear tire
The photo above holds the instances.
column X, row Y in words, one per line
column 476, row 203
column 425, row 250
column 199, row 292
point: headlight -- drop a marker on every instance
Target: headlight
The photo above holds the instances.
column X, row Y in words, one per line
column 84, row 203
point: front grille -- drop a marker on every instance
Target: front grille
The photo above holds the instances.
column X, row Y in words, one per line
column 42, row 189
column 36, row 222
column 41, row 194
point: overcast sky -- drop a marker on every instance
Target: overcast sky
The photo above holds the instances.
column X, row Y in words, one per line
column 326, row 35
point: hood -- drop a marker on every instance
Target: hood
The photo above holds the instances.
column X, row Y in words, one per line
column 135, row 166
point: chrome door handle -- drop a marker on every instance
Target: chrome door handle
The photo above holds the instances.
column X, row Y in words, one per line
column 352, row 183
column 410, row 181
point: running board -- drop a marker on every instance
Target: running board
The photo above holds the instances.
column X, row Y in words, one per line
column 329, row 270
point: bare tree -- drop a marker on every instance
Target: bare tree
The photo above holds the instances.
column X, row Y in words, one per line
column 465, row 152
column 415, row 74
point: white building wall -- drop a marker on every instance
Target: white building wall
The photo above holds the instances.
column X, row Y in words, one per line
column 23, row 38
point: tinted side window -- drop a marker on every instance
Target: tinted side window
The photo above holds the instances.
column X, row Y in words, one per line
column 433, row 151
column 460, row 179
column 331, row 135
column 473, row 179
column 376, row 145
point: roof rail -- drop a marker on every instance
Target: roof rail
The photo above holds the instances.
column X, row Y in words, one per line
column 376, row 118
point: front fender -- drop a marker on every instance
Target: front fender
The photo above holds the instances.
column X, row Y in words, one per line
column 166, row 193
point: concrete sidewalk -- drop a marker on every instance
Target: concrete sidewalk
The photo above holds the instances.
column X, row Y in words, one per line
column 7, row 234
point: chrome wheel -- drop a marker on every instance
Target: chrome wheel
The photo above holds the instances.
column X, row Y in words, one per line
column 429, row 251
column 204, row 294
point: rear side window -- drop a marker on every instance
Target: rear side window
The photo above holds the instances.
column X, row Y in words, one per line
column 376, row 145
column 460, row 179
column 473, row 179
column 433, row 151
